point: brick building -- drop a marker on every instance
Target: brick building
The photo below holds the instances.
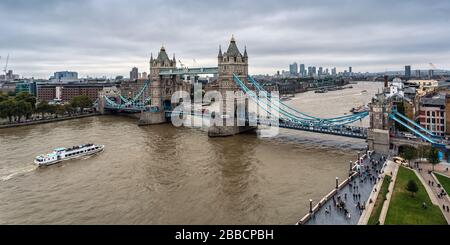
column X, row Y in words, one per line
column 130, row 88
column 65, row 92
column 432, row 113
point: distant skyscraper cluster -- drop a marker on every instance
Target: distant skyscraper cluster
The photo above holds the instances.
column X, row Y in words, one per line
column 135, row 74
column 296, row 70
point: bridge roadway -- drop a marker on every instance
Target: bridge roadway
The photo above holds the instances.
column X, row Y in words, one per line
column 188, row 71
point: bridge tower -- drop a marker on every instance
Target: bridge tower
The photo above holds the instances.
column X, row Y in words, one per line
column 229, row 63
column 378, row 137
column 161, row 88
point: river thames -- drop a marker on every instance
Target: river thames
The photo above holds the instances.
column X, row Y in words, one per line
column 165, row 175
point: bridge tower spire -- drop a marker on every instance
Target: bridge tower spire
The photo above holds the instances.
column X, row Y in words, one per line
column 162, row 87
column 230, row 63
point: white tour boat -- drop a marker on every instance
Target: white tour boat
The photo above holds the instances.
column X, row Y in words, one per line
column 64, row 154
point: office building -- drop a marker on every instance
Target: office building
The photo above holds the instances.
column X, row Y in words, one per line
column 432, row 113
column 293, row 69
column 333, row 71
column 64, row 76
column 302, row 70
column 65, row 92
column 134, row 73
column 418, row 73
column 407, row 71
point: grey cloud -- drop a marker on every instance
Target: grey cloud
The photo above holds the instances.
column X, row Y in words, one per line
column 107, row 37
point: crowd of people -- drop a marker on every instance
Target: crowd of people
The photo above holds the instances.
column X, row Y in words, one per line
column 367, row 173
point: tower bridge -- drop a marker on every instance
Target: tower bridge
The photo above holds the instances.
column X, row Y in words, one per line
column 232, row 74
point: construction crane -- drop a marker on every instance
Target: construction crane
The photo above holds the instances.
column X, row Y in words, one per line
column 181, row 64
column 434, row 68
column 6, row 65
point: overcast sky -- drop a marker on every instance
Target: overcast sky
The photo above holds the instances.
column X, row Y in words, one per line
column 108, row 37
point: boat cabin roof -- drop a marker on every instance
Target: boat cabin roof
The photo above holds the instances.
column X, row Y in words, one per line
column 48, row 155
column 60, row 149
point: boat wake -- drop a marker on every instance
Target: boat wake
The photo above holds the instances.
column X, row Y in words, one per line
column 18, row 172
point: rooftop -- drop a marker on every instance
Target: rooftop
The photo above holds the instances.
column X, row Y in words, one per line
column 436, row 100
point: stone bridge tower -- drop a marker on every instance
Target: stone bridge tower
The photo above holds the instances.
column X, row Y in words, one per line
column 378, row 137
column 229, row 63
column 161, row 88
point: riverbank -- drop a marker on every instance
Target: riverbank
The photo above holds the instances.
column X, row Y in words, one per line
column 345, row 204
column 50, row 120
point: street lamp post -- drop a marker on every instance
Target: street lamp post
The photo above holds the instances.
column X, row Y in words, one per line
column 351, row 166
column 337, row 182
column 310, row 205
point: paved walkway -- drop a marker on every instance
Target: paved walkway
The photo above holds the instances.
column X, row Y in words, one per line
column 443, row 168
column 355, row 192
column 390, row 170
column 431, row 183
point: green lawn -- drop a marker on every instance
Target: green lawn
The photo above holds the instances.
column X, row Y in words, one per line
column 375, row 215
column 407, row 210
column 445, row 181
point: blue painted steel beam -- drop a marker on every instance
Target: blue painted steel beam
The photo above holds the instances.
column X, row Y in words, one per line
column 415, row 124
column 393, row 117
column 335, row 119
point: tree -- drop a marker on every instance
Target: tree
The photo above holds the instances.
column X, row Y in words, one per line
column 52, row 109
column 22, row 109
column 8, row 109
column 433, row 156
column 59, row 110
column 3, row 97
column 81, row 102
column 69, row 109
column 423, row 151
column 43, row 107
column 409, row 153
column 412, row 187
column 27, row 97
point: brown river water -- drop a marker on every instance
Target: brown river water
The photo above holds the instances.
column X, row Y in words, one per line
column 166, row 175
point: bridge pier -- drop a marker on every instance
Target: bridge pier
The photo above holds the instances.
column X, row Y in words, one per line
column 151, row 118
column 101, row 105
column 225, row 131
column 378, row 140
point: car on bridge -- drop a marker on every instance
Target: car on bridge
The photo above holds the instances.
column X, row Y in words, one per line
column 356, row 130
column 409, row 136
column 399, row 160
